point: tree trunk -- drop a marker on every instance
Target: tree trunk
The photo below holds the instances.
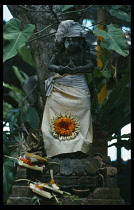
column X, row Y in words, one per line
column 41, row 49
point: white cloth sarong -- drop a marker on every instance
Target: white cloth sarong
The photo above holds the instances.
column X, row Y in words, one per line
column 68, row 94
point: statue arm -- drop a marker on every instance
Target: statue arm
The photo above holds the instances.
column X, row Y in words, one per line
column 54, row 66
column 87, row 68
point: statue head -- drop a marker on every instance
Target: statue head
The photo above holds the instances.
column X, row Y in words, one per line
column 70, row 36
column 69, row 28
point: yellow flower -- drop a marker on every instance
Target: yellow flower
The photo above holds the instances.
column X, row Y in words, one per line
column 52, row 181
column 40, row 187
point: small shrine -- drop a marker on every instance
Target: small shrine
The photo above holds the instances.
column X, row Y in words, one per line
column 89, row 180
column 76, row 169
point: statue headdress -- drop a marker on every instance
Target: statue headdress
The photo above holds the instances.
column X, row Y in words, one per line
column 69, row 28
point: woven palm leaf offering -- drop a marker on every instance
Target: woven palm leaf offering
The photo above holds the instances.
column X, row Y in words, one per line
column 47, row 190
column 32, row 161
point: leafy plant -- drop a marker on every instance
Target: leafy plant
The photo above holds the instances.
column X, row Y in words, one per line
column 26, row 55
column 114, row 111
column 9, row 170
column 16, row 118
column 6, row 108
column 15, row 37
column 8, row 178
column 115, row 39
column 36, row 200
column 20, row 75
column 116, row 108
column 65, row 7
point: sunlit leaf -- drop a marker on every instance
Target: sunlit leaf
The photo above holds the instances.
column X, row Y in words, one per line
column 13, row 88
column 65, row 7
column 18, row 74
column 15, row 37
column 115, row 39
column 120, row 14
column 107, row 73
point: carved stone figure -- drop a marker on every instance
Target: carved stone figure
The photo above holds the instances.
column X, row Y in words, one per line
column 67, row 122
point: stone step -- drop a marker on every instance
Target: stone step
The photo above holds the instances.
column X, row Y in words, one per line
column 106, row 193
column 23, row 191
column 68, row 201
column 17, row 200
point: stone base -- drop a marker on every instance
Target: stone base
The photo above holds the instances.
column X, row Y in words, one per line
column 12, row 200
column 68, row 201
column 22, row 195
column 94, row 202
column 74, row 171
column 71, row 172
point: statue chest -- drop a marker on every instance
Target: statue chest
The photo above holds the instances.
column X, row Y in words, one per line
column 65, row 58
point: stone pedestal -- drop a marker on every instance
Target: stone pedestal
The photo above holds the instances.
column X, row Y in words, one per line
column 94, row 172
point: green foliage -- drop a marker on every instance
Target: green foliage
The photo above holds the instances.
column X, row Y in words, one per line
column 121, row 12
column 31, row 116
column 15, row 89
column 6, row 108
column 15, row 93
column 27, row 115
column 8, row 177
column 36, row 200
column 19, row 75
column 26, row 55
column 15, row 118
column 115, row 112
column 15, row 37
column 9, row 171
column 6, row 144
column 65, row 7
column 12, row 118
column 115, row 39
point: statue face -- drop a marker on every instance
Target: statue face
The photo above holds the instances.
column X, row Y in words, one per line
column 72, row 44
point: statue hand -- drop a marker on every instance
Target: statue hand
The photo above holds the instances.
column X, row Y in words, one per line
column 60, row 70
column 70, row 70
column 71, row 64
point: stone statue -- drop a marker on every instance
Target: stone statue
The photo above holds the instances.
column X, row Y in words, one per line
column 67, row 122
column 67, row 128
